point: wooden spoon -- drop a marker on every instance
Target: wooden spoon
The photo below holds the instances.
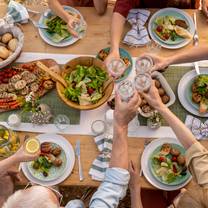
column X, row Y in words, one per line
column 54, row 75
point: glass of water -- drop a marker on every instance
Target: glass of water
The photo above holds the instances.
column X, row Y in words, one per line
column 126, row 90
column 142, row 82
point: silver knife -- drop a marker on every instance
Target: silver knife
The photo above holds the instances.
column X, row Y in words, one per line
column 77, row 150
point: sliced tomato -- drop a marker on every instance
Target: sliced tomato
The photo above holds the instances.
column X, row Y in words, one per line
column 159, row 28
column 90, row 90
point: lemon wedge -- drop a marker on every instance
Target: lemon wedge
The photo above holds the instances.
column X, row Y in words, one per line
column 32, row 145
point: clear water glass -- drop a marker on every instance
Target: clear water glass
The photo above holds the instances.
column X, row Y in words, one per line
column 126, row 90
column 142, row 82
column 62, row 122
column 116, row 68
column 153, row 47
column 144, row 65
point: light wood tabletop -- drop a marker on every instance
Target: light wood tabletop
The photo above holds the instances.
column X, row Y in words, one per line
column 97, row 37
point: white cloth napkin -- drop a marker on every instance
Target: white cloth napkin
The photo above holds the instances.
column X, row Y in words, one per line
column 101, row 163
column 138, row 35
column 16, row 13
column 198, row 128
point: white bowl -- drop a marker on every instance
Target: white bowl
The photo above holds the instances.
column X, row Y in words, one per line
column 157, row 75
column 17, row 33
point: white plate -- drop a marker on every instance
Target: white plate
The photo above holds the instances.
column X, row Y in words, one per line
column 70, row 159
column 171, row 10
column 157, row 75
column 63, row 43
column 145, row 165
column 182, row 89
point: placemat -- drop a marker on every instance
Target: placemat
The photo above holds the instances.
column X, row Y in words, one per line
column 57, row 106
column 173, row 75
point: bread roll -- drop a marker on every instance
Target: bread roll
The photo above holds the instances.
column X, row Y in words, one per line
column 12, row 45
column 6, row 37
column 4, row 52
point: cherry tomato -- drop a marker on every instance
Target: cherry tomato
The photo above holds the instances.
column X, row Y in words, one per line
column 159, row 28
column 174, row 159
column 162, row 159
column 90, row 90
column 5, row 80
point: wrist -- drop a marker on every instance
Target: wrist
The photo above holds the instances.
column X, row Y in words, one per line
column 115, row 50
column 160, row 108
column 120, row 126
column 136, row 189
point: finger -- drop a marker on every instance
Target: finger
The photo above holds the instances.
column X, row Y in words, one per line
column 133, row 101
column 73, row 32
column 117, row 98
column 132, row 165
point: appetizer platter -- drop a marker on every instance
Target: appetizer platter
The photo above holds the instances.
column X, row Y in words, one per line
column 88, row 84
column 57, row 165
column 192, row 92
column 166, row 93
column 125, row 56
column 11, row 43
column 171, row 28
column 167, row 164
column 18, row 81
column 174, row 176
column 50, row 164
column 55, row 32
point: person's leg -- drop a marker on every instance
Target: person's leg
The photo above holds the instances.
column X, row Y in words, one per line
column 100, row 6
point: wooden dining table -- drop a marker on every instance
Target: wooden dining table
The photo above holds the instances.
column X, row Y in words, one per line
column 97, row 37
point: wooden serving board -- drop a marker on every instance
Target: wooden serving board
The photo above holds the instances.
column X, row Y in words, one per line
column 32, row 78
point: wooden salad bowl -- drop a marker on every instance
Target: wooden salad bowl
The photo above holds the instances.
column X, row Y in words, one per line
column 69, row 67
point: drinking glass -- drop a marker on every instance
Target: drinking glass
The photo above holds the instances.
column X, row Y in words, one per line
column 142, row 82
column 153, row 47
column 143, row 65
column 126, row 90
column 61, row 121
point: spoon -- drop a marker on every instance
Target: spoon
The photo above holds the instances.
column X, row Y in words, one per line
column 54, row 75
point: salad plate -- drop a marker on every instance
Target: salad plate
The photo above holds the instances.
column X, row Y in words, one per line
column 69, row 161
column 185, row 92
column 164, row 24
column 145, row 165
column 125, row 56
column 64, row 38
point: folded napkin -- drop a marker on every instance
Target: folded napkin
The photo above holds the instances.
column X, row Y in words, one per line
column 198, row 128
column 138, row 35
column 16, row 13
column 101, row 163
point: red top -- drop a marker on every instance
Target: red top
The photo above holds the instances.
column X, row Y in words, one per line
column 85, row 3
column 123, row 6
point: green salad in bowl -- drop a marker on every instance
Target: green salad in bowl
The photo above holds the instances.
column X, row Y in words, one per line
column 85, row 84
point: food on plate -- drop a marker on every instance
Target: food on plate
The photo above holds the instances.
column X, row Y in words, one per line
column 169, row 163
column 18, row 81
column 145, row 107
column 200, row 92
column 171, row 28
column 85, row 84
column 49, row 157
column 102, row 55
column 58, row 27
column 8, row 45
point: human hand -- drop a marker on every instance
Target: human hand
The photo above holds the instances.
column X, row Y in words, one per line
column 153, row 97
column 22, row 156
column 112, row 55
column 159, row 63
column 71, row 25
column 134, row 177
column 126, row 111
column 205, row 8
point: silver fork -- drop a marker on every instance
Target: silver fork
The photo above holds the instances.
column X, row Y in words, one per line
column 146, row 142
column 195, row 43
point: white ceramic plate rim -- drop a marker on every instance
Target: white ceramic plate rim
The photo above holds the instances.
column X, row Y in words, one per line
column 64, row 44
column 188, row 18
column 182, row 90
column 70, row 159
column 145, row 166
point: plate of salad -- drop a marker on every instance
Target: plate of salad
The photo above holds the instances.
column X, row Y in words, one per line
column 167, row 164
column 171, row 28
column 56, row 33
column 193, row 93
column 88, row 83
column 159, row 151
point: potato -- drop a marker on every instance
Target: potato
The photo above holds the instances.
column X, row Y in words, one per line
column 181, row 160
column 165, row 99
column 175, row 152
column 157, row 83
column 10, row 53
column 4, row 52
column 12, row 45
column 161, row 91
column 6, row 37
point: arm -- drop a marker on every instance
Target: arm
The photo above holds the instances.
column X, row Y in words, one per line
column 57, row 8
column 183, row 134
column 195, row 54
column 116, row 179
column 204, row 4
column 100, row 6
